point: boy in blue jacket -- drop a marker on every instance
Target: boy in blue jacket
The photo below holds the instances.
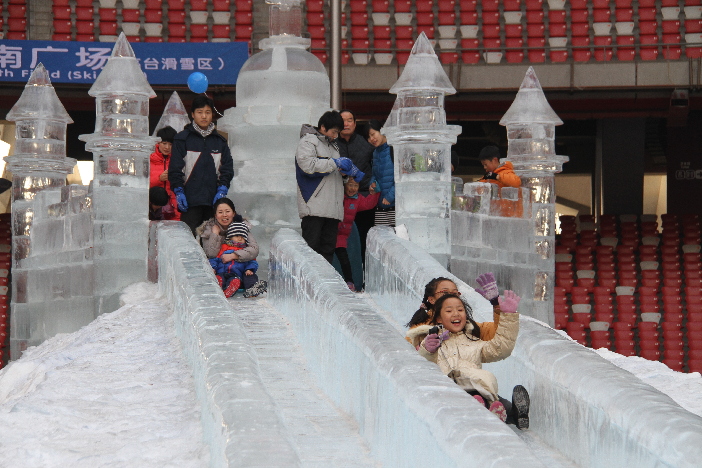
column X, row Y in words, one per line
column 201, row 166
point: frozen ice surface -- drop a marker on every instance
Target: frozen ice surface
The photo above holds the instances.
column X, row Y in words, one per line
column 322, row 434
column 122, row 74
column 591, row 411
column 174, row 115
column 405, row 408
column 241, row 422
column 423, row 71
column 118, row 392
column 530, row 106
column 39, row 101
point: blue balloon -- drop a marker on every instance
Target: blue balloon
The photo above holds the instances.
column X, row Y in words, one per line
column 197, row 82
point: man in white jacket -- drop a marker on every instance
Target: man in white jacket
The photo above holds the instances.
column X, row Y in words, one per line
column 320, row 188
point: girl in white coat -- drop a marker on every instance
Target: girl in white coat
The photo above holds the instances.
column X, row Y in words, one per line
column 459, row 352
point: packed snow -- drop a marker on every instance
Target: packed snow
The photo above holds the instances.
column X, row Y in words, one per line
column 118, row 392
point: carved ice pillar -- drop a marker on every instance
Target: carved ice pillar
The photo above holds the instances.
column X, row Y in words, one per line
column 531, row 123
column 277, row 91
column 121, row 146
column 38, row 163
column 417, row 131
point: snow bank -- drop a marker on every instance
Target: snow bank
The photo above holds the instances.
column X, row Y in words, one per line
column 593, row 412
column 240, row 420
column 405, row 408
column 115, row 393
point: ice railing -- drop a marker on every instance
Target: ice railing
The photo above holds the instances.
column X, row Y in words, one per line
column 492, row 230
column 593, row 412
column 405, row 408
column 53, row 271
column 239, row 418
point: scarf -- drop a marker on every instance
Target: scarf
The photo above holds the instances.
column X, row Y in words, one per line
column 206, row 132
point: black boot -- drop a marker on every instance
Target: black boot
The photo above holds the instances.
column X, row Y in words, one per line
column 520, row 407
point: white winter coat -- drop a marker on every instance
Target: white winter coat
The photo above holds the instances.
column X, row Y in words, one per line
column 462, row 354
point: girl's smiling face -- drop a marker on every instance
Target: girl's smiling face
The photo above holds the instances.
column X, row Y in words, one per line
column 444, row 287
column 452, row 315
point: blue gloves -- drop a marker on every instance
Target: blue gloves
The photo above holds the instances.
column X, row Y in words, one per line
column 344, row 164
column 180, row 198
column 221, row 193
column 347, row 168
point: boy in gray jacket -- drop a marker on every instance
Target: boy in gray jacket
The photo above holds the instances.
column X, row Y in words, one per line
column 320, row 188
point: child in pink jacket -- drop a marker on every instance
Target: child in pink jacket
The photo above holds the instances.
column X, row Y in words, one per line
column 353, row 202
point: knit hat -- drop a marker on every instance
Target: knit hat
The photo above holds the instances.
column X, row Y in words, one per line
column 158, row 196
column 238, row 229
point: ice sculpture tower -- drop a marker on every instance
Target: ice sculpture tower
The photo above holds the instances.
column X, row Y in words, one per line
column 121, row 146
column 417, row 130
column 38, row 163
column 174, row 115
column 531, row 133
column 278, row 90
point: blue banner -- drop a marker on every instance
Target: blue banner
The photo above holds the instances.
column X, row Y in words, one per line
column 163, row 63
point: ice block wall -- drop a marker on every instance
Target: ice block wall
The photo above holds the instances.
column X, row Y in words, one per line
column 277, row 91
column 416, row 129
column 239, row 418
column 121, row 147
column 492, row 230
column 591, row 411
column 405, row 409
column 53, row 285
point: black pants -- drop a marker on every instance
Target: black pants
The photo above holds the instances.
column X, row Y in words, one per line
column 196, row 215
column 343, row 255
column 320, row 235
column 506, row 403
column 364, row 221
column 247, row 281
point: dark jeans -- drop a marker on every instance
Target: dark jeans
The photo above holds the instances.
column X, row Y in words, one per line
column 246, row 281
column 320, row 235
column 196, row 215
column 343, row 255
column 364, row 221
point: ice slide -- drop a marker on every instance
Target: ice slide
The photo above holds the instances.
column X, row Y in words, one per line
column 585, row 410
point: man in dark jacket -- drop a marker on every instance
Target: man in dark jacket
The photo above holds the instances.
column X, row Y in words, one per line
column 201, row 167
column 360, row 152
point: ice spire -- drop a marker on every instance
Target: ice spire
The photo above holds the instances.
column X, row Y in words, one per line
column 417, row 130
column 174, row 115
column 277, row 91
column 121, row 146
column 39, row 162
column 285, row 24
column 531, row 148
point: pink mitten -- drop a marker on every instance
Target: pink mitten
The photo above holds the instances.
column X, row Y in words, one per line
column 432, row 343
column 488, row 287
column 509, row 302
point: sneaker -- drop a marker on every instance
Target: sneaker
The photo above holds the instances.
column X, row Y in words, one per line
column 257, row 289
column 480, row 399
column 351, row 286
column 520, row 407
column 499, row 409
column 233, row 286
column 219, row 280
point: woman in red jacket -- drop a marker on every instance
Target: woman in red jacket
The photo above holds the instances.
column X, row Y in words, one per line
column 158, row 174
column 353, row 203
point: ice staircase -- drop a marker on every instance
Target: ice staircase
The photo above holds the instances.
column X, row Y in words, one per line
column 258, row 382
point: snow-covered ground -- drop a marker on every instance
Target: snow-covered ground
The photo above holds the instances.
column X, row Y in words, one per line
column 116, row 393
column 119, row 393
